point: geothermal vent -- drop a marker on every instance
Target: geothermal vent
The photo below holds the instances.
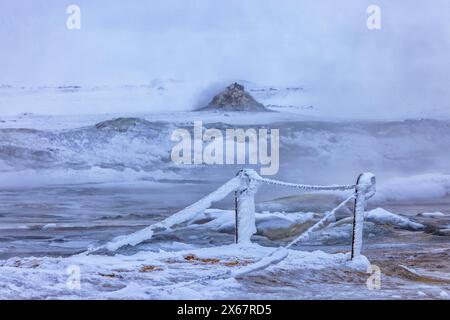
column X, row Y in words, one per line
column 234, row 98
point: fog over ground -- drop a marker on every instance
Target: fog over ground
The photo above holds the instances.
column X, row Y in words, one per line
column 325, row 46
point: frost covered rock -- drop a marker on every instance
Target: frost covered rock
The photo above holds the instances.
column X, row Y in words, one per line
column 341, row 232
column 128, row 124
column 49, row 226
column 277, row 225
column 234, row 98
column 282, row 225
column 274, row 225
column 120, row 124
column 431, row 214
column 382, row 216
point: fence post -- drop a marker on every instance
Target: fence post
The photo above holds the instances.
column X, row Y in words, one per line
column 236, row 230
column 365, row 189
column 245, row 224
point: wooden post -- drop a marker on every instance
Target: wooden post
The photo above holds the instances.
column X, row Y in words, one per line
column 245, row 225
column 236, row 230
column 365, row 189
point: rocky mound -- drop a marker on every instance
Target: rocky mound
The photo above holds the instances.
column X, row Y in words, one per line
column 234, row 98
column 122, row 124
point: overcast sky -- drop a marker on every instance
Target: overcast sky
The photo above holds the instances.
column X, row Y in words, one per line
column 322, row 43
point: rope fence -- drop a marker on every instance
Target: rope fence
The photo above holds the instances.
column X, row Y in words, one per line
column 245, row 186
column 364, row 189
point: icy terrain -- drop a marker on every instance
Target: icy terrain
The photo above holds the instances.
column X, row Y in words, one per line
column 71, row 182
column 161, row 275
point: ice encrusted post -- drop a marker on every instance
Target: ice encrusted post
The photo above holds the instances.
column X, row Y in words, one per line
column 245, row 207
column 365, row 189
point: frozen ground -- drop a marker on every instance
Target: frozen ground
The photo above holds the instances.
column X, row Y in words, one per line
column 67, row 184
column 161, row 275
column 414, row 266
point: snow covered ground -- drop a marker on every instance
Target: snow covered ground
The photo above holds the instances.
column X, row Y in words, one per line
column 209, row 273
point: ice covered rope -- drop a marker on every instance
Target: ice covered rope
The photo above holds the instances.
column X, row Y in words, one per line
column 330, row 216
column 303, row 187
column 243, row 182
column 181, row 216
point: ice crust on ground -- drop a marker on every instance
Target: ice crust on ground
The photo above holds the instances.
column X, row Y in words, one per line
column 158, row 275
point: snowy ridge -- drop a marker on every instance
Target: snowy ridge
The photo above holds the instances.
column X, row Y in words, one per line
column 74, row 149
